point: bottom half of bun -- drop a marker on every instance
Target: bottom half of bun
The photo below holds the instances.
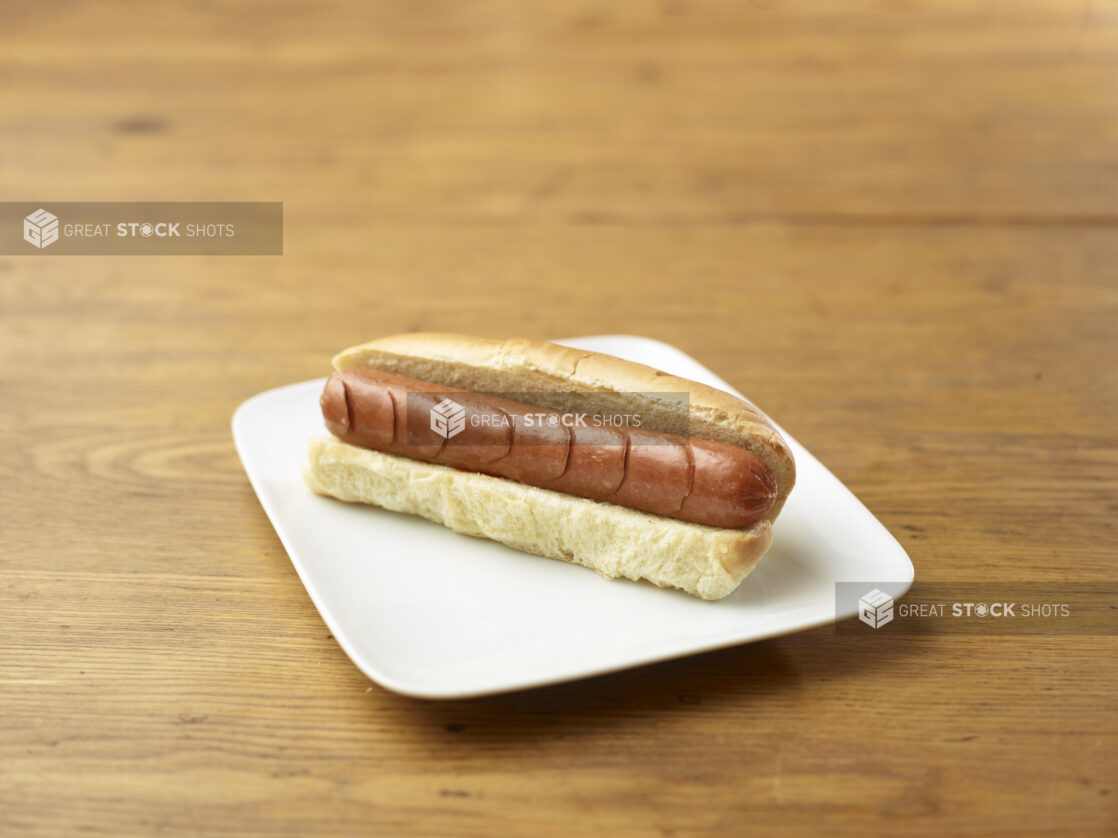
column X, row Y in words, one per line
column 616, row 541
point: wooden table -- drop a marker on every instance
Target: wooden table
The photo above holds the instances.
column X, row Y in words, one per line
column 894, row 227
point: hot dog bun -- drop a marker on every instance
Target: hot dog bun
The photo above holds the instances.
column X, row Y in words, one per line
column 705, row 561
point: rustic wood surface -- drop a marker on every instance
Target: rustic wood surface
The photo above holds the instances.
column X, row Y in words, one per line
column 891, row 224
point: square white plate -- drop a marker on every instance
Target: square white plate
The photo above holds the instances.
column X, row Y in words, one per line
column 427, row 612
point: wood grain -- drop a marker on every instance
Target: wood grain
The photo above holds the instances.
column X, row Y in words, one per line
column 891, row 225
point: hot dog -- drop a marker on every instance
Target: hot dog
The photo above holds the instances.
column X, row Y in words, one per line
column 702, row 481
column 684, row 499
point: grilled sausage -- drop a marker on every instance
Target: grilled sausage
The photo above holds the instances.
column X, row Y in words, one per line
column 701, row 481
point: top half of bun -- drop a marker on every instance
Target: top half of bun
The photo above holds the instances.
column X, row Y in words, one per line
column 562, row 378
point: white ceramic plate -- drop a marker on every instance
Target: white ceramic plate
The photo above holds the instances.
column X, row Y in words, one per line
column 427, row 612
